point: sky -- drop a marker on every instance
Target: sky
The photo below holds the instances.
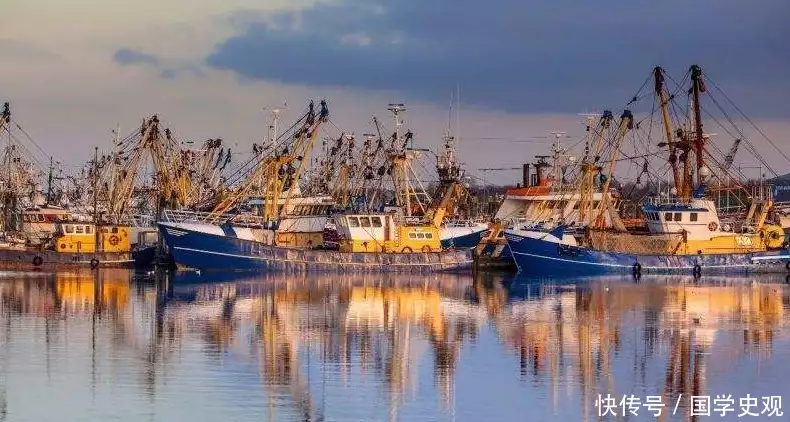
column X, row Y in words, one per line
column 74, row 70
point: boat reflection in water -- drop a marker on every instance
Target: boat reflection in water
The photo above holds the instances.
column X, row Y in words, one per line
column 373, row 347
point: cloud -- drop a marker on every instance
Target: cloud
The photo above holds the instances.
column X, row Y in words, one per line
column 17, row 50
column 126, row 57
column 129, row 57
column 518, row 55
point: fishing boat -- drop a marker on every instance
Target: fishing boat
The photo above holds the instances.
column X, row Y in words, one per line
column 455, row 232
column 686, row 233
column 462, row 234
column 200, row 246
column 684, row 238
column 75, row 244
column 272, row 238
column 544, row 199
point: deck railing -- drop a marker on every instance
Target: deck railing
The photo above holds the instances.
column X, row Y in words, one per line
column 173, row 216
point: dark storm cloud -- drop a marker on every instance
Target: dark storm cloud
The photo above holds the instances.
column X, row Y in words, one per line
column 127, row 56
column 519, row 55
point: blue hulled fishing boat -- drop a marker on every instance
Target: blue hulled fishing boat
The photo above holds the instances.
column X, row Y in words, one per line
column 202, row 246
column 543, row 253
column 682, row 231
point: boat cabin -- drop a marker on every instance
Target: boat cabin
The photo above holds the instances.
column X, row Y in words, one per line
column 78, row 237
column 39, row 224
column 383, row 232
column 527, row 206
column 698, row 219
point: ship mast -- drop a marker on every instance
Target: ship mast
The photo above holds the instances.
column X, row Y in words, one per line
column 558, row 152
column 626, row 123
column 698, row 86
column 5, row 121
column 96, row 228
column 400, row 161
column 589, row 165
column 660, row 89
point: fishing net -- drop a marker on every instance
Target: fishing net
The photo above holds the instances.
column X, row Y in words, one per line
column 658, row 244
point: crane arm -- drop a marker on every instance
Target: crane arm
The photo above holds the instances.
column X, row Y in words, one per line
column 452, row 195
column 626, row 123
column 730, row 158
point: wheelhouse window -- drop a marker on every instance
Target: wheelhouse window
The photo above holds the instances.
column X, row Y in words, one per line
column 420, row 235
column 678, row 216
column 364, row 221
column 412, row 236
column 68, row 228
column 353, row 222
column 376, row 221
column 79, row 229
column 693, row 216
column 429, row 235
column 40, row 218
column 115, row 229
column 89, row 229
column 667, row 216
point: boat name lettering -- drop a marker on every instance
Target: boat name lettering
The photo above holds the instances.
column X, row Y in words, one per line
column 743, row 240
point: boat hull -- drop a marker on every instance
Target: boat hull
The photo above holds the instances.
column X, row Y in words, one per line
column 202, row 250
column 27, row 259
column 545, row 257
column 461, row 237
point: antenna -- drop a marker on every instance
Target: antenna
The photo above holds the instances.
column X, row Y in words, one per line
column 396, row 110
column 275, row 116
column 458, row 113
column 557, row 146
column 450, row 115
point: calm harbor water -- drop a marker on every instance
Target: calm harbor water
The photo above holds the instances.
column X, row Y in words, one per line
column 126, row 347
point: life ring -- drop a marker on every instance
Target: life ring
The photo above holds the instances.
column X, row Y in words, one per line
column 114, row 240
column 712, row 226
column 37, row 261
column 94, row 263
column 426, row 248
column 406, row 249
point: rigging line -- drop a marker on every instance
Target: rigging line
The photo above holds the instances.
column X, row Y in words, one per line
column 243, row 170
column 635, row 97
column 582, row 139
column 749, row 146
column 28, row 137
column 513, row 140
column 744, row 138
column 738, row 109
column 678, row 86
